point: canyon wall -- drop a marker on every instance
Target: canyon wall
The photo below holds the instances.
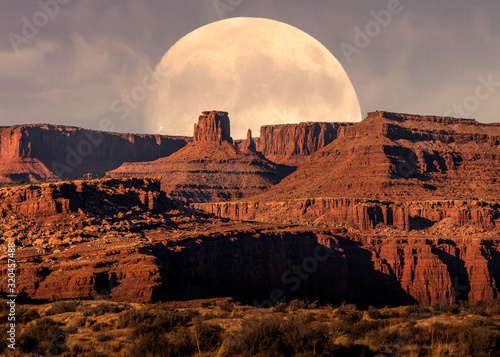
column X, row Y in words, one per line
column 292, row 144
column 126, row 240
column 265, row 267
column 40, row 152
column 364, row 215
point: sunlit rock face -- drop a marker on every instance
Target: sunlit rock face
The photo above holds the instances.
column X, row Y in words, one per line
column 212, row 126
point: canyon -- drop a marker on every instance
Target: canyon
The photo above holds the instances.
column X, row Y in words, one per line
column 40, row 152
column 395, row 210
column 124, row 238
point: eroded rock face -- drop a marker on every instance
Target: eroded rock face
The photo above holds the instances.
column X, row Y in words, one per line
column 125, row 239
column 395, row 210
column 403, row 157
column 361, row 214
column 405, row 171
column 292, row 144
column 211, row 168
column 46, row 152
column 213, row 126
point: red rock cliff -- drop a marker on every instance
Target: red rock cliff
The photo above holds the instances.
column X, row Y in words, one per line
column 294, row 143
column 212, row 126
column 40, row 152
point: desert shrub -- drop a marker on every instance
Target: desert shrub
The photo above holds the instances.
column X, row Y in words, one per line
column 44, row 337
column 362, row 327
column 133, row 317
column 104, row 337
column 373, row 313
column 27, row 315
column 479, row 339
column 451, row 309
column 61, row 307
column 272, row 337
column 100, row 326
column 71, row 329
column 100, row 309
column 348, row 313
column 207, row 336
column 226, row 306
column 161, row 322
column 493, row 308
column 297, row 304
column 391, row 340
column 481, row 308
column 152, row 345
column 80, row 322
column 280, row 307
column 76, row 350
column 473, row 308
column 417, row 312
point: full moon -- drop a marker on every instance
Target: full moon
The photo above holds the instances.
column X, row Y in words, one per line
column 260, row 71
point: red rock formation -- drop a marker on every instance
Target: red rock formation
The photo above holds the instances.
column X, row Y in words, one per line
column 399, row 156
column 43, row 152
column 292, row 144
column 213, row 126
column 210, row 168
column 248, row 145
column 125, row 239
column 396, row 209
column 364, row 215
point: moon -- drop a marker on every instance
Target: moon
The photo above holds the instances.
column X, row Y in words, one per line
column 261, row 71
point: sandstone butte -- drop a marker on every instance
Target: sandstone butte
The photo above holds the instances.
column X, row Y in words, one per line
column 394, row 210
column 211, row 168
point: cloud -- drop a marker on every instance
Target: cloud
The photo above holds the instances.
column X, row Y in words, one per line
column 94, row 52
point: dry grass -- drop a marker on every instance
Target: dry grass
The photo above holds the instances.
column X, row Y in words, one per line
column 97, row 328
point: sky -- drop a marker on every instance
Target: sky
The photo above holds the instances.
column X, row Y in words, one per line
column 67, row 61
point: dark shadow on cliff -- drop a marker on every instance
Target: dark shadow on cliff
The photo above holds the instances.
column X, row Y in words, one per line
column 262, row 269
column 457, row 271
column 493, row 262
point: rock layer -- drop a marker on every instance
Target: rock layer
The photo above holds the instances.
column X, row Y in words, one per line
column 126, row 239
column 292, row 144
column 211, row 168
column 402, row 156
column 44, row 152
column 212, row 126
column 361, row 214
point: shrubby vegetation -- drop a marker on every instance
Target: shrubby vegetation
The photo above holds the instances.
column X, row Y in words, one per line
column 299, row 328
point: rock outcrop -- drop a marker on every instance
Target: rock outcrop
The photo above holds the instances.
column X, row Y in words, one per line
column 364, row 215
column 213, row 126
column 211, row 168
column 292, row 144
column 46, row 152
column 126, row 240
column 402, row 157
column 394, row 210
column 405, row 171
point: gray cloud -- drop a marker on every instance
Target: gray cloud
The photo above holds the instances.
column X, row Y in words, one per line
column 91, row 53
